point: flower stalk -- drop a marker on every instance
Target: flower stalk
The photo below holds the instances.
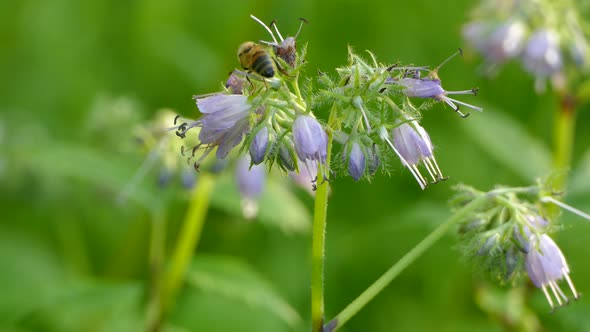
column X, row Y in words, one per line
column 379, row 285
column 318, row 245
column 189, row 236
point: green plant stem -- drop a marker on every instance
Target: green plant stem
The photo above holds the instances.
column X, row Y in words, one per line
column 563, row 139
column 156, row 259
column 362, row 300
column 189, row 236
column 318, row 243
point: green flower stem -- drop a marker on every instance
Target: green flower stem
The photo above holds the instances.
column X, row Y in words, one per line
column 156, row 259
column 189, row 236
column 318, row 243
column 362, row 300
column 563, row 138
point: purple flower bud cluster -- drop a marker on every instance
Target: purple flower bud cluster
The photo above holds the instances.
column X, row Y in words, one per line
column 542, row 48
column 507, row 236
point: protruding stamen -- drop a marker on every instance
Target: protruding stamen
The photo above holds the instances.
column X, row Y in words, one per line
column 565, row 298
column 463, row 92
column 552, row 286
column 459, row 51
column 274, row 25
column 266, row 27
column 572, row 288
column 300, row 26
column 420, row 180
column 544, row 288
column 465, row 104
column 565, row 206
column 430, row 170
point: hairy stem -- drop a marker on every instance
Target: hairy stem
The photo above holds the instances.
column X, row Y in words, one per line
column 379, row 285
column 318, row 243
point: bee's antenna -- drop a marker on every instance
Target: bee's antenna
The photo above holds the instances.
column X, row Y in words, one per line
column 301, row 26
column 459, row 51
column 274, row 25
column 266, row 27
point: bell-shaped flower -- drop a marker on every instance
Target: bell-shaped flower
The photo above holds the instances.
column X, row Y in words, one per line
column 546, row 265
column 223, row 124
column 310, row 139
column 496, row 42
column 413, row 146
column 505, row 42
column 432, row 88
column 251, row 180
column 259, row 146
column 542, row 56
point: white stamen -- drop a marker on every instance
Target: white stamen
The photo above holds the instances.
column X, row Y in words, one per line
column 465, row 104
column 462, row 92
column 420, row 175
column 266, row 27
column 437, row 169
column 552, row 286
column 274, row 25
column 571, row 284
column 544, row 288
column 565, row 298
column 404, row 162
column 565, row 206
column 430, row 170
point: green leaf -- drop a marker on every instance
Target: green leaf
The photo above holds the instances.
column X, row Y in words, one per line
column 66, row 160
column 278, row 206
column 237, row 280
column 580, row 178
column 90, row 306
column 508, row 142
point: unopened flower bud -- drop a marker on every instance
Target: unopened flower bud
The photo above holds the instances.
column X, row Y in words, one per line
column 259, row 146
column 356, row 160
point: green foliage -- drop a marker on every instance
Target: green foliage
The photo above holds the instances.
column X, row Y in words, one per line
column 80, row 77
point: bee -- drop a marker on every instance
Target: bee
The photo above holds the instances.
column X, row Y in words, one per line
column 254, row 57
column 286, row 49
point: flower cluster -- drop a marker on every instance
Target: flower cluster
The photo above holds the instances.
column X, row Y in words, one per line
column 372, row 113
column 265, row 111
column 544, row 35
column 508, row 236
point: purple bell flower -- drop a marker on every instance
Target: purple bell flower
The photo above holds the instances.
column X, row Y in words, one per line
column 432, row 88
column 505, row 42
column 542, row 56
column 251, row 181
column 310, row 139
column 412, row 144
column 546, row 265
column 223, row 124
column 223, row 111
column 259, row 146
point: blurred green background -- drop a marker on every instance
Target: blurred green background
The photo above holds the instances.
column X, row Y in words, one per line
column 77, row 76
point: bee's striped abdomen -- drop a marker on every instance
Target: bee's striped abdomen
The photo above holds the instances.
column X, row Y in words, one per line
column 263, row 64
